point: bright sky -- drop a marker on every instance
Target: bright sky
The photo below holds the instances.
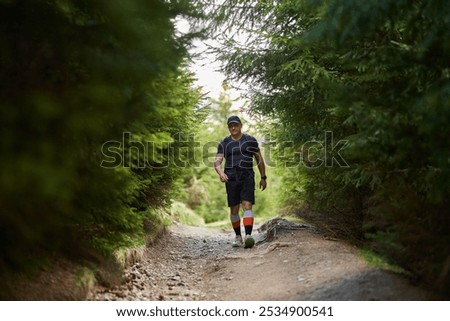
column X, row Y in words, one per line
column 206, row 69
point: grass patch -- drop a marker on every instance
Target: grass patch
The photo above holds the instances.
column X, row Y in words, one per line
column 180, row 212
column 294, row 219
column 377, row 261
column 85, row 280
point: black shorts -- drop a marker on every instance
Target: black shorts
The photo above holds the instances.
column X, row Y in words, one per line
column 241, row 188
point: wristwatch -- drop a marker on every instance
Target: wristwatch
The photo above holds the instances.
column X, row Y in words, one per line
column 264, row 177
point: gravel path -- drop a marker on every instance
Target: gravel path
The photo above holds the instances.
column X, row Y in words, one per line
column 289, row 262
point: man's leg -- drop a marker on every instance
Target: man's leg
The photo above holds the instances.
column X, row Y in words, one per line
column 247, row 196
column 248, row 217
column 236, row 223
column 233, row 191
column 235, row 219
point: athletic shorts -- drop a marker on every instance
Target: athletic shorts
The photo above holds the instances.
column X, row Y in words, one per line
column 241, row 189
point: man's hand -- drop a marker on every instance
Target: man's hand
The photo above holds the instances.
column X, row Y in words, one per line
column 262, row 170
column 262, row 184
column 223, row 177
column 217, row 167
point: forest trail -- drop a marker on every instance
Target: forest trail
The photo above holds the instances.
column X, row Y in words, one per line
column 289, row 262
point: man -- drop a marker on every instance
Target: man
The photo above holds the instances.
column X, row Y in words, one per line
column 238, row 149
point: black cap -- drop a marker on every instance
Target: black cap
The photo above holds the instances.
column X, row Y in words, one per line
column 234, row 119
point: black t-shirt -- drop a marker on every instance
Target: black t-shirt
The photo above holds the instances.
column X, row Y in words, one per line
column 238, row 153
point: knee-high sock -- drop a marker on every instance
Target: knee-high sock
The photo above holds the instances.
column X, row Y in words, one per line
column 236, row 223
column 248, row 222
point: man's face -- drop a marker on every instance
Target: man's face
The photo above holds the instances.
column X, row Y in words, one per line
column 234, row 128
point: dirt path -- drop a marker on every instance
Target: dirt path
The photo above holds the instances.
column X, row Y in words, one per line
column 289, row 262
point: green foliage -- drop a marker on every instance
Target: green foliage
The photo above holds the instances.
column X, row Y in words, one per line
column 376, row 74
column 396, row 89
column 77, row 76
column 379, row 262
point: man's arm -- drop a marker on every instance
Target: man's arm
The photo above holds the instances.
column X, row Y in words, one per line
column 262, row 170
column 218, row 168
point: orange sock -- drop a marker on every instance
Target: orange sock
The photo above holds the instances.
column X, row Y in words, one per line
column 236, row 223
column 248, row 222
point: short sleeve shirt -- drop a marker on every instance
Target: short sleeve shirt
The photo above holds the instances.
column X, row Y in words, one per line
column 238, row 154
